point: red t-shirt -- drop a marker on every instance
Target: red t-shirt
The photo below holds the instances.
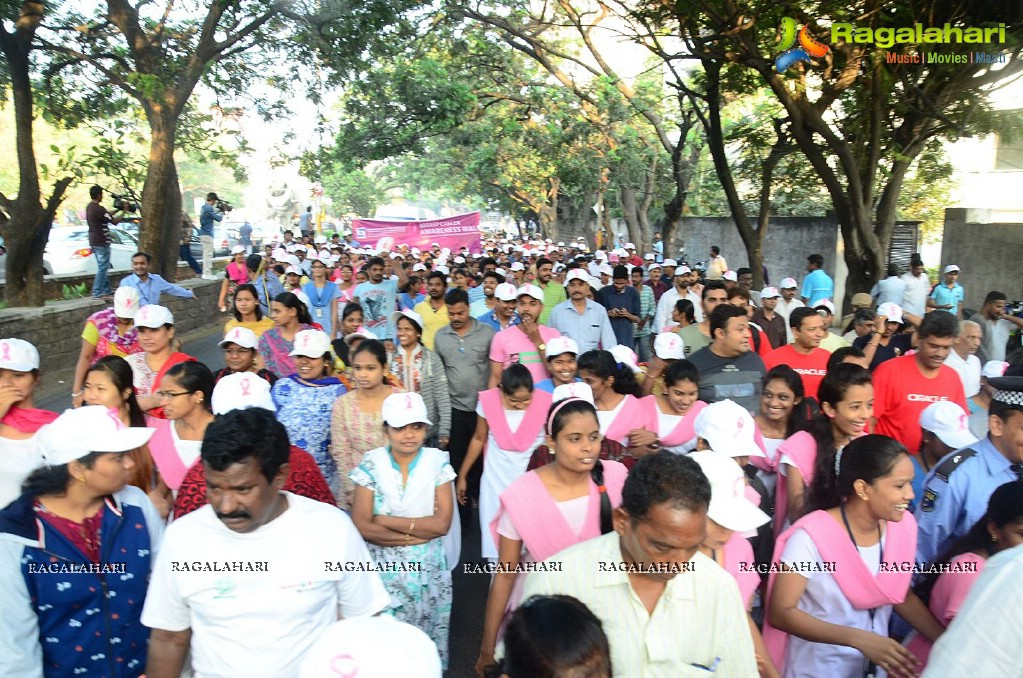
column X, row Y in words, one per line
column 811, row 368
column 901, row 392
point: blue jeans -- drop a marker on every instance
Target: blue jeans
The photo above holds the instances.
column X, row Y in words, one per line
column 643, row 349
column 101, row 285
column 185, row 254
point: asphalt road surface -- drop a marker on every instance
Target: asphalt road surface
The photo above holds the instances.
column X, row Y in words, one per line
column 470, row 590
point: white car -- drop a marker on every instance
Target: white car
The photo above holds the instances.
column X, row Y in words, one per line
column 68, row 251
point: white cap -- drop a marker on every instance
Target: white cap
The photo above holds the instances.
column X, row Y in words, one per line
column 576, row 274
column 459, row 259
column 418, row 267
column 94, row 428
column 240, row 391
column 993, row 369
column 294, row 269
column 630, row 246
column 517, row 266
column 683, row 269
column 435, row 244
column 559, row 345
column 402, row 409
column 728, row 428
column 320, row 239
column 410, row 314
column 530, row 291
column 825, row 303
column 360, row 333
column 949, row 422
column 788, row 283
column 577, row 389
column 891, row 311
column 600, row 254
column 153, row 316
column 605, row 269
column 770, row 293
column 126, row 302
column 366, row 646
column 951, row 268
column 729, row 506
column 670, row 262
column 649, row 257
column 311, row 343
column 506, row 291
column 669, row 346
column 238, row 249
column 241, row 336
column 625, row 355
column 730, row 276
column 18, row 355
column 652, row 266
column 302, row 296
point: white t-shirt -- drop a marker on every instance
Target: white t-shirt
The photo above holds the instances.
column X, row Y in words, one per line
column 18, row 458
column 968, row 371
column 824, row 600
column 260, row 623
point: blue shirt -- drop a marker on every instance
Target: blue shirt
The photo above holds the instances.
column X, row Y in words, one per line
column 817, row 286
column 207, row 215
column 943, row 294
column 955, row 497
column 153, row 287
column 267, row 289
column 547, row 385
column 490, row 318
column 590, row 329
column 627, row 299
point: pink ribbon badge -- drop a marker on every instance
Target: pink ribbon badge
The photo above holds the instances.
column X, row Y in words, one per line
column 115, row 417
column 244, row 383
column 344, row 666
column 6, row 347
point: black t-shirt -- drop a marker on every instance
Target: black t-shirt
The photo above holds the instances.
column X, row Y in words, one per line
column 739, row 379
column 98, row 219
column 897, row 346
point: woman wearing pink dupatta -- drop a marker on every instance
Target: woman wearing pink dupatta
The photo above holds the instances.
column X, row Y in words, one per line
column 551, row 508
column 622, row 416
column 849, row 567
column 675, row 410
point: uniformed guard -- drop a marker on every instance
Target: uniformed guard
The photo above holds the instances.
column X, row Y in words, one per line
column 957, row 489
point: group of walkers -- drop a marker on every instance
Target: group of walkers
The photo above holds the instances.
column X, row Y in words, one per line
column 671, row 474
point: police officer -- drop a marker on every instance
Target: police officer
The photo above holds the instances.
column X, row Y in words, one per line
column 957, row 489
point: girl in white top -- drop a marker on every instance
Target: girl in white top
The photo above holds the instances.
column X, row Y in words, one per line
column 19, row 419
column 623, row 418
column 677, row 408
column 510, row 427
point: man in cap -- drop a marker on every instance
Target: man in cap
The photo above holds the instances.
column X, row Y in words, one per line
column 768, row 319
column 248, row 582
column 788, row 302
column 859, row 300
column 682, row 289
column 526, row 342
column 655, row 281
column 503, row 315
column 957, row 489
column 622, row 306
column 918, row 286
column 962, row 357
column 945, row 428
column 949, row 295
column 581, row 318
column 904, row 386
column 729, row 370
column 996, row 325
column 804, row 354
column 150, row 285
column 830, row 341
column 654, row 554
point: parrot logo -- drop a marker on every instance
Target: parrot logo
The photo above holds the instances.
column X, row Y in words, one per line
column 808, row 46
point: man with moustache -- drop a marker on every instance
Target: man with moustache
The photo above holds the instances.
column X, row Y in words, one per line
column 682, row 290
column 666, row 608
column 524, row 343
column 503, row 315
column 581, row 318
column 553, row 293
column 247, row 582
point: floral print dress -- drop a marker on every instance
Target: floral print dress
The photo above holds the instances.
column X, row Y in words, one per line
column 353, row 433
column 304, row 408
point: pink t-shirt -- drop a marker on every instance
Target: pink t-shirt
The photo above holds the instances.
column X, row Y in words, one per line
column 511, row 346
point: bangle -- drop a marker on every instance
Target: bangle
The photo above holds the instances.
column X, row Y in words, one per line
column 75, row 395
column 406, row 540
column 412, row 526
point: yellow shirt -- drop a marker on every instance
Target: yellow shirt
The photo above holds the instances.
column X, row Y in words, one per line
column 432, row 320
column 258, row 327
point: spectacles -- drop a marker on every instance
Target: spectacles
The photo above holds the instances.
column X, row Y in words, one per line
column 166, row 395
column 237, row 351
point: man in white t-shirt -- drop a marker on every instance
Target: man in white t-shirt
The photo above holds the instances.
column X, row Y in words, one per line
column 918, row 286
column 249, row 581
column 789, row 301
column 962, row 359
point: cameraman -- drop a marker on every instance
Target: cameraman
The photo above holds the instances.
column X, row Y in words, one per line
column 99, row 220
column 207, row 215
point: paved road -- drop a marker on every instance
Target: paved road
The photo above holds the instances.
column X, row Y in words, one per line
column 470, row 590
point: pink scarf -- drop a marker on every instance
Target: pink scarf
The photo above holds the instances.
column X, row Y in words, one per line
column 27, row 420
column 633, row 415
column 737, row 550
column 165, row 454
column 538, row 520
column 239, row 275
column 764, row 463
column 525, row 435
column 683, row 431
column 861, row 587
column 801, row 447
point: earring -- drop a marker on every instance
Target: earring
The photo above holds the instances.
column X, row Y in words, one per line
column 994, row 538
column 553, row 451
column 863, row 497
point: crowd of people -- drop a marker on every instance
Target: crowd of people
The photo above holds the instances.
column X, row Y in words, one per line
column 672, row 474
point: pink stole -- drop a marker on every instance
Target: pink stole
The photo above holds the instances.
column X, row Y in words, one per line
column 632, row 415
column 801, row 447
column 683, row 431
column 27, row 419
column 737, row 550
column 538, row 520
column 765, row 463
column 524, row 437
column 165, row 454
column 861, row 587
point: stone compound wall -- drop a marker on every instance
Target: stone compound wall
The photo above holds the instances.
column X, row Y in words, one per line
column 989, row 254
column 56, row 329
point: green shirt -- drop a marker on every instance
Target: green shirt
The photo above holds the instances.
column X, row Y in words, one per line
column 553, row 295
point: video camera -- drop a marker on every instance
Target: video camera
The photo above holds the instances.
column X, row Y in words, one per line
column 223, row 206
column 123, row 203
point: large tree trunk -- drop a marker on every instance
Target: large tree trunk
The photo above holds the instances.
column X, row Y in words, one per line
column 27, row 228
column 630, row 212
column 161, row 196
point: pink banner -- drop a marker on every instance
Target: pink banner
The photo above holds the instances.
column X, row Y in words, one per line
column 460, row 230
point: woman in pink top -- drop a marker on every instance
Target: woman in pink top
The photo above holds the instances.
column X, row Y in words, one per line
column 676, row 409
column 622, row 416
column 235, row 274
column 847, row 404
column 551, row 508
column 1001, row 528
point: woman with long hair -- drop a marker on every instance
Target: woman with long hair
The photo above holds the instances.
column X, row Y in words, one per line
column 623, row 418
column 305, row 399
column 355, row 420
column 833, row 621
column 323, row 296
column 20, row 420
column 421, row 371
column 676, row 410
column 781, row 415
column 155, row 326
column 411, row 294
column 509, row 426
column 846, row 397
column 109, row 383
column 351, row 320
column 945, row 588
column 290, row 317
column 547, row 510
column 247, row 311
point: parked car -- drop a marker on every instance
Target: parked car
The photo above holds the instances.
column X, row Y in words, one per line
column 68, row 251
column 224, row 238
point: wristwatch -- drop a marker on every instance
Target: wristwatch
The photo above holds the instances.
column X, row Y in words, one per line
column 541, row 347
